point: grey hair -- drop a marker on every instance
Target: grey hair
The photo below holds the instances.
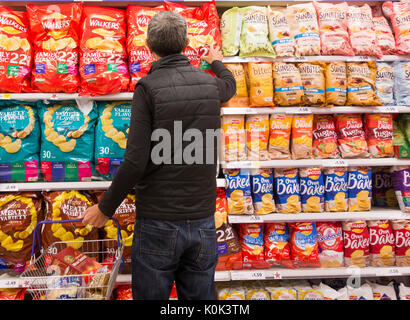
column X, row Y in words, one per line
column 167, row 33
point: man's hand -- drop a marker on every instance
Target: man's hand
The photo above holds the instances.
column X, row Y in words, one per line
column 213, row 54
column 94, row 216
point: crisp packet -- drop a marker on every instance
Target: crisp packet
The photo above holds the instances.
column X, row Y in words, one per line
column 231, row 26
column 336, row 193
column 238, row 191
column 287, row 190
column 401, row 184
column 385, row 83
column 401, row 70
column 312, row 189
column 360, row 188
column 262, row 191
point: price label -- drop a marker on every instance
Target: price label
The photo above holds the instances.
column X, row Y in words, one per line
column 388, row 272
column 298, row 59
column 7, row 187
column 251, row 111
column 363, row 58
column 256, row 275
column 335, row 163
column 256, row 219
column 6, row 96
column 300, row 110
column 386, row 109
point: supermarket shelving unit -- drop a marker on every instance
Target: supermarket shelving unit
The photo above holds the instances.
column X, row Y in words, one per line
column 274, row 273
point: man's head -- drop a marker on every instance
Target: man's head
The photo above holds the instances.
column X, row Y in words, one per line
column 167, row 33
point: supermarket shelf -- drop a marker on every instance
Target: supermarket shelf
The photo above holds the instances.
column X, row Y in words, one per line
column 315, row 163
column 316, row 110
column 237, row 59
column 64, row 96
column 47, row 186
column 374, row 214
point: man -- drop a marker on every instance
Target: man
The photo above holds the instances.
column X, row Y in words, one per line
column 174, row 234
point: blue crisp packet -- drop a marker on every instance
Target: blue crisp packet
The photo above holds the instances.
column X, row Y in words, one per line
column 262, row 191
column 312, row 189
column 360, row 188
column 336, row 193
column 287, row 190
column 238, row 191
column 401, row 70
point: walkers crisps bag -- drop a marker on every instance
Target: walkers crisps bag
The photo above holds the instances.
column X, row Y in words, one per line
column 103, row 59
column 16, row 52
column 54, row 30
column 140, row 57
column 241, row 97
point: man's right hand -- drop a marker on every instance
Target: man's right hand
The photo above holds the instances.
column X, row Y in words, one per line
column 213, row 54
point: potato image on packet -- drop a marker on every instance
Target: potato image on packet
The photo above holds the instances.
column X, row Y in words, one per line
column 379, row 134
column 359, row 188
column 262, row 191
column 304, row 245
column 312, row 189
column 238, row 191
column 276, row 241
column 356, row 241
column 351, row 136
column 287, row 190
column 382, row 243
column 251, row 238
column 336, row 192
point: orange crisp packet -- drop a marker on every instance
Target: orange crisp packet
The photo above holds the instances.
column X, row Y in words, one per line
column 257, row 136
column 302, row 126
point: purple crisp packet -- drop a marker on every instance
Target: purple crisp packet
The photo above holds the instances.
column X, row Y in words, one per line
column 401, row 184
column 383, row 194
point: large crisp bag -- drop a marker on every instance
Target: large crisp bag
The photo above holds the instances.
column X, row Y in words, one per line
column 67, row 205
column 279, row 33
column 302, row 136
column 304, row 245
column 351, row 136
column 385, row 83
column 54, row 31
column 241, row 97
column 288, row 84
column 361, row 84
column 67, row 141
column 280, row 126
column 334, row 37
column 324, row 137
column 383, row 194
column 312, row 75
column 379, row 134
column 257, row 136
column 401, row 71
column 304, row 29
column 361, row 30
column 401, row 184
column 360, row 188
column 401, row 230
column 251, row 238
column 19, row 215
column 330, row 240
column 111, row 136
column 262, row 191
column 19, row 141
column 140, row 57
column 384, row 33
column 336, row 83
column 399, row 13
column 260, row 84
column 233, row 138
column 238, row 191
column 287, row 190
column 103, row 58
column 336, row 193
column 16, row 51
column 231, row 26
column 312, row 189
column 382, row 243
column 356, row 243
column 254, row 39
column 203, row 31
column 276, row 241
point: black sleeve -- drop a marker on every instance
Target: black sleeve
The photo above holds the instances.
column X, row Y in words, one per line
column 226, row 81
column 136, row 155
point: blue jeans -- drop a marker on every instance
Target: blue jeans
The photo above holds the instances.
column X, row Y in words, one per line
column 167, row 251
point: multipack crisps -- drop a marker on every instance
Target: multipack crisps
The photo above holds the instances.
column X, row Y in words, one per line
column 111, row 136
column 19, row 141
column 67, row 205
column 362, row 32
column 382, row 243
column 361, row 82
column 262, row 191
column 279, row 33
column 55, row 33
column 312, row 75
column 276, row 241
column 332, row 19
column 67, row 140
column 360, row 188
column 304, row 29
column 231, row 26
column 379, row 134
column 238, row 191
column 383, row 292
column 280, row 126
column 330, row 241
column 16, row 51
column 241, row 97
column 140, row 57
column 383, row 194
column 287, row 190
column 19, row 215
column 336, row 83
column 254, row 40
column 324, row 137
column 233, row 138
column 351, row 136
column 312, row 189
column 103, row 57
column 260, row 84
column 401, row 230
column 304, row 245
column 302, row 136
column 399, row 13
column 356, row 243
column 401, row 71
column 401, row 184
column 288, row 84
column 257, row 136
column 385, row 83
column 336, row 192
column 251, row 238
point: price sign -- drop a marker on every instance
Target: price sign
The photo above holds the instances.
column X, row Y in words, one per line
column 8, row 187
column 256, row 219
column 386, row 272
column 363, row 58
column 334, row 163
column 251, row 111
column 256, row 275
column 299, row 110
column 298, row 59
column 386, row 109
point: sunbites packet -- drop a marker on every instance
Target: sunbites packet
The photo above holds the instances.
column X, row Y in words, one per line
column 231, row 26
column 398, row 13
column 401, row 70
column 385, row 83
column 279, row 33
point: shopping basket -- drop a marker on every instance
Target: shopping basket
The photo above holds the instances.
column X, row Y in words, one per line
column 44, row 281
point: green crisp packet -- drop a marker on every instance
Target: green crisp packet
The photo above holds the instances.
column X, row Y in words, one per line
column 254, row 40
column 231, row 25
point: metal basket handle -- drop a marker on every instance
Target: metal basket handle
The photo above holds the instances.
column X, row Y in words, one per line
column 36, row 234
